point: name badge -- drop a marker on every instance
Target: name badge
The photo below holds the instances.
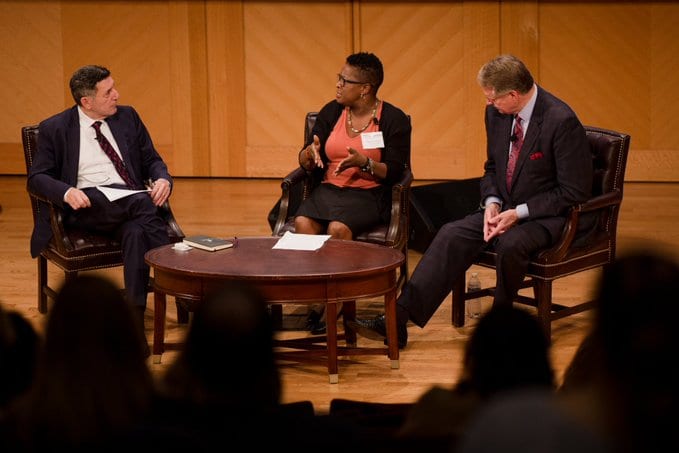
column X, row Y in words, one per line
column 372, row 140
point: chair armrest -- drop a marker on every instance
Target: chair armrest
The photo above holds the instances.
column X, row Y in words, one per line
column 61, row 239
column 600, row 202
column 289, row 195
column 400, row 196
column 559, row 250
column 166, row 213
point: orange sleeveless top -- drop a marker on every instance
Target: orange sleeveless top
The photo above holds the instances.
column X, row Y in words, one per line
column 336, row 150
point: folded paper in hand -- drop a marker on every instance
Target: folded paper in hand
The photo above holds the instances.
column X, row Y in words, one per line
column 209, row 243
column 114, row 194
column 294, row 241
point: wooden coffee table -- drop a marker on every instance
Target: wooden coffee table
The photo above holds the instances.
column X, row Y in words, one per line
column 340, row 271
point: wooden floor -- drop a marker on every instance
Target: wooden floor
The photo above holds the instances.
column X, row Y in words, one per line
column 239, row 207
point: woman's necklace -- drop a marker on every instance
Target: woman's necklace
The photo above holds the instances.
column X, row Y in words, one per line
column 372, row 118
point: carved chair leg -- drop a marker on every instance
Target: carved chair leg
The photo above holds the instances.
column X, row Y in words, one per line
column 458, row 302
column 543, row 297
column 42, row 284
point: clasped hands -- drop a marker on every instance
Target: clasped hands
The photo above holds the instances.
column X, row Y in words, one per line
column 312, row 156
column 495, row 222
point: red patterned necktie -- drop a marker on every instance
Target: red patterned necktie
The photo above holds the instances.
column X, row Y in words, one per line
column 111, row 153
column 517, row 143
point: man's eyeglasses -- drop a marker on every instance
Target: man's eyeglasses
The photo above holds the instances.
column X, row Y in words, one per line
column 492, row 100
column 343, row 81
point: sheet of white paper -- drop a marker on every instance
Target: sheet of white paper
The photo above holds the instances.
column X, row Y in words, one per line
column 114, row 194
column 294, row 241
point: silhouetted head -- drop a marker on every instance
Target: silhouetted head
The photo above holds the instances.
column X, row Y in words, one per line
column 228, row 356
column 19, row 345
column 508, row 350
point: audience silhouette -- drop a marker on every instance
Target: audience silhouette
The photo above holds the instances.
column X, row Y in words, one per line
column 619, row 393
column 92, row 385
column 91, row 388
column 19, row 345
column 506, row 351
column 633, row 352
column 224, row 387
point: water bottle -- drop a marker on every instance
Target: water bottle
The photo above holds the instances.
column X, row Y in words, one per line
column 474, row 305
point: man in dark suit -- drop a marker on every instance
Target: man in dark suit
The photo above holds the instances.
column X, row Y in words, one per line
column 99, row 143
column 523, row 208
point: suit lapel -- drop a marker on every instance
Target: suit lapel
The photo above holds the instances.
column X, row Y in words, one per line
column 531, row 138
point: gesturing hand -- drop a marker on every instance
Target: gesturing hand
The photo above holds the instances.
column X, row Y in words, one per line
column 311, row 153
column 354, row 159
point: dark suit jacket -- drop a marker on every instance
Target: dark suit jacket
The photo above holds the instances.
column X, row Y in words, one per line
column 55, row 166
column 554, row 169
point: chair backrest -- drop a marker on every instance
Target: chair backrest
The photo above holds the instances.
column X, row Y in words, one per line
column 609, row 156
column 29, row 138
column 309, row 122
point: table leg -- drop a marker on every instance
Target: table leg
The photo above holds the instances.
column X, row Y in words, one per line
column 392, row 335
column 159, row 311
column 331, row 340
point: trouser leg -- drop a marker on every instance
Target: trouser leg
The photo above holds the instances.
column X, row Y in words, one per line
column 143, row 231
column 514, row 250
column 450, row 254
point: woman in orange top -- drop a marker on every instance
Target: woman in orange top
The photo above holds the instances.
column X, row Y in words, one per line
column 361, row 145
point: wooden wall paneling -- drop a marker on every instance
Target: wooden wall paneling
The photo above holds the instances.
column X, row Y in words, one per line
column 293, row 52
column 519, row 32
column 199, row 92
column 422, row 48
column 223, row 85
column 132, row 40
column 481, row 25
column 595, row 57
column 187, row 102
column 226, row 70
column 660, row 160
column 31, row 72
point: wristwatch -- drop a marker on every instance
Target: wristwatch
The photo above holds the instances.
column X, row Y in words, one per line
column 368, row 167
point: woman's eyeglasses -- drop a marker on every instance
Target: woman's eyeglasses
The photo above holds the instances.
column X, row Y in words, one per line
column 343, row 81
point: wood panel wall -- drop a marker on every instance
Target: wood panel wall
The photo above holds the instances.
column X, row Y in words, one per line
column 223, row 86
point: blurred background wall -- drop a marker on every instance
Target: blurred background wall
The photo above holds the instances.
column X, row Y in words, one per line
column 223, row 86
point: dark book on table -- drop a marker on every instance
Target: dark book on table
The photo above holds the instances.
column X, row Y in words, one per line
column 208, row 243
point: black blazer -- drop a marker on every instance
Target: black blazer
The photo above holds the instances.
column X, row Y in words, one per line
column 554, row 169
column 55, row 167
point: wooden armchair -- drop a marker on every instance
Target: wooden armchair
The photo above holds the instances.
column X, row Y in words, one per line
column 571, row 253
column 74, row 250
column 299, row 184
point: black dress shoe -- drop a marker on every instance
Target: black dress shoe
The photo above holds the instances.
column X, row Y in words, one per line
column 318, row 328
column 315, row 323
column 312, row 319
column 376, row 329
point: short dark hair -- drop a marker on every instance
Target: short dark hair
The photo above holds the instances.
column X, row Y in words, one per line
column 84, row 81
column 369, row 66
